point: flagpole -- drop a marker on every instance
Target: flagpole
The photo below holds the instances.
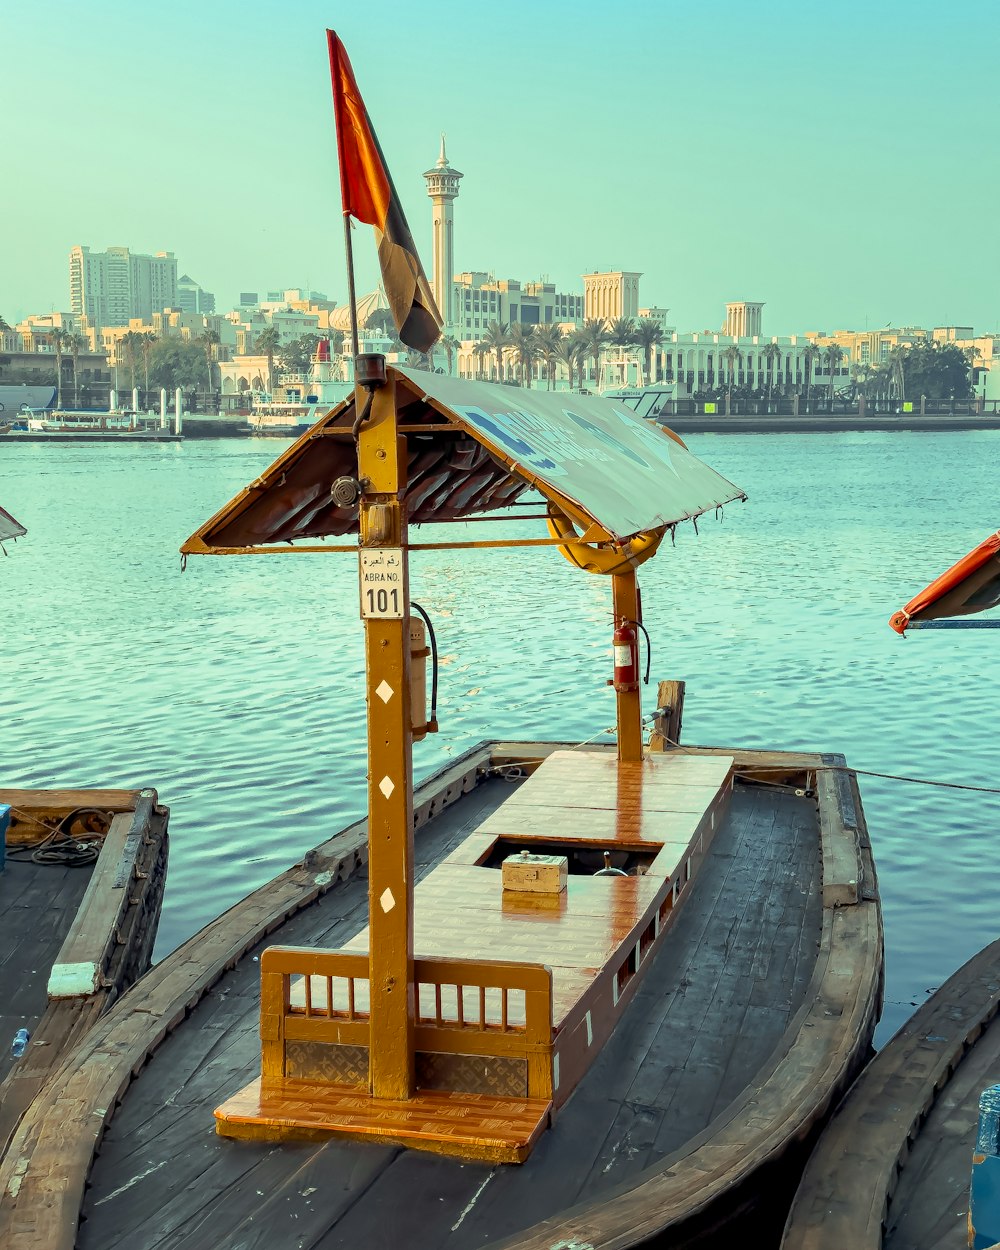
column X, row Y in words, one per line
column 351, row 294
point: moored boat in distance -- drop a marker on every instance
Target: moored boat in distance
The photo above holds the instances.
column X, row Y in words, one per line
column 61, row 425
column 627, row 1033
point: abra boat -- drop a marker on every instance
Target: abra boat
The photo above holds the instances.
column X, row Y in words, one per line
column 81, row 884
column 552, row 996
column 123, row 425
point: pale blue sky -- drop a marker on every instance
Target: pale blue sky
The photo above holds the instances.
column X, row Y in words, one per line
column 837, row 161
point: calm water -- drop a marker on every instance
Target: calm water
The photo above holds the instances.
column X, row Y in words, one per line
column 235, row 689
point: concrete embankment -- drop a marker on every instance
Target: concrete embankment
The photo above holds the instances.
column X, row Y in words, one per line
column 198, row 426
column 828, row 423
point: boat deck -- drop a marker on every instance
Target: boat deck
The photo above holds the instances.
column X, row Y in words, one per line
column 38, row 903
column 703, row 1023
column 72, row 937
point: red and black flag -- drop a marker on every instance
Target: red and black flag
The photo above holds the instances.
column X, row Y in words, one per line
column 369, row 195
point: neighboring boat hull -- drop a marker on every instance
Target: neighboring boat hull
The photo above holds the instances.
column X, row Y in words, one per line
column 893, row 1166
column 93, row 927
column 820, row 1014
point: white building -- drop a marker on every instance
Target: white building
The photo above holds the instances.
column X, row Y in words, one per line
column 111, row 288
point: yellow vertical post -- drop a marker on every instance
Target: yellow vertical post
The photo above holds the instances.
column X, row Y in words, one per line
column 626, row 608
column 385, row 609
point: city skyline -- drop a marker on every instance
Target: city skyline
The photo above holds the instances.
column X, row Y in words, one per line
column 832, row 168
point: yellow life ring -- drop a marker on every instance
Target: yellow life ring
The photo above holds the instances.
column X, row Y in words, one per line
column 600, row 559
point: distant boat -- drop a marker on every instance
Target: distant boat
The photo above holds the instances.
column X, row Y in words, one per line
column 299, row 401
column 37, row 425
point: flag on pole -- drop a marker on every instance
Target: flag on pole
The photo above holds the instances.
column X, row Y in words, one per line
column 368, row 195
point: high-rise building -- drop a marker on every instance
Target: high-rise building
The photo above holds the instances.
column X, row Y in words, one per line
column 608, row 296
column 112, row 287
column 193, row 298
column 442, row 187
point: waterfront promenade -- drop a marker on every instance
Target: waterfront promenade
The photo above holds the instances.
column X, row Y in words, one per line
column 830, row 423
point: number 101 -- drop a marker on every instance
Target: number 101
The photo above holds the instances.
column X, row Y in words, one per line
column 383, row 602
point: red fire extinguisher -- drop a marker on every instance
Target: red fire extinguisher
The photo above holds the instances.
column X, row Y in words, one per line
column 626, row 643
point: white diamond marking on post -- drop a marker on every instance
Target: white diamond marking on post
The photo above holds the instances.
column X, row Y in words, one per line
column 386, row 786
column 384, row 691
column 386, row 900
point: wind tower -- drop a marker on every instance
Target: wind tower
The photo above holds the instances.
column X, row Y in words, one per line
column 442, row 187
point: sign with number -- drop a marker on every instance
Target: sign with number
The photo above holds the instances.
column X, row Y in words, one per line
column 381, row 572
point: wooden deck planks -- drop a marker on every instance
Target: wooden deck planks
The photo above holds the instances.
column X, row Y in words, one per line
column 583, row 1130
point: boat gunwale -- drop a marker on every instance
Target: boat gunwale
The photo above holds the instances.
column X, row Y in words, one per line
column 840, row 1149
column 95, row 1077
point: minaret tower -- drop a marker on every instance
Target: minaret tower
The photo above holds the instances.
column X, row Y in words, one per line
column 442, row 187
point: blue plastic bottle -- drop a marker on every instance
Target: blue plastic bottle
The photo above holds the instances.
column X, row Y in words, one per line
column 20, row 1043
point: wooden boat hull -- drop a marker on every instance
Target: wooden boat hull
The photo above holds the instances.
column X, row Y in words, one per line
column 89, row 930
column 892, row 1167
column 742, row 1159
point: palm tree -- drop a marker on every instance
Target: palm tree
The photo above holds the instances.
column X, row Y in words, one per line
column 832, row 357
column 548, row 339
column 130, row 343
column 594, row 334
column 149, row 341
column 732, row 356
column 568, row 353
column 810, row 353
column 479, row 351
column 77, row 343
column 59, row 339
column 209, row 340
column 451, row 346
column 525, row 347
column 621, row 331
column 897, row 367
column 647, row 335
column 268, row 342
column 772, row 356
column 496, row 337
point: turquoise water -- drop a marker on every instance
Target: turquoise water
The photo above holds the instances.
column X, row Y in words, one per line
column 235, row 690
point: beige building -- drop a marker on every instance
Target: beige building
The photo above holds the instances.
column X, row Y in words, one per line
column 479, row 298
column 608, row 296
column 743, row 319
column 111, row 288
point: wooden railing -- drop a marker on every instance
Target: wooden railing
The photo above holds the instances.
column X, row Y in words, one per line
column 462, row 1007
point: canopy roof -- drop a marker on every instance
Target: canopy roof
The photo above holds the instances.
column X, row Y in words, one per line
column 970, row 585
column 9, row 528
column 593, row 458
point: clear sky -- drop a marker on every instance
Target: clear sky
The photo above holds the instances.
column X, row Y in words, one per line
column 838, row 161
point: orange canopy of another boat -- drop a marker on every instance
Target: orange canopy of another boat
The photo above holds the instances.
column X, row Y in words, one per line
column 971, row 585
